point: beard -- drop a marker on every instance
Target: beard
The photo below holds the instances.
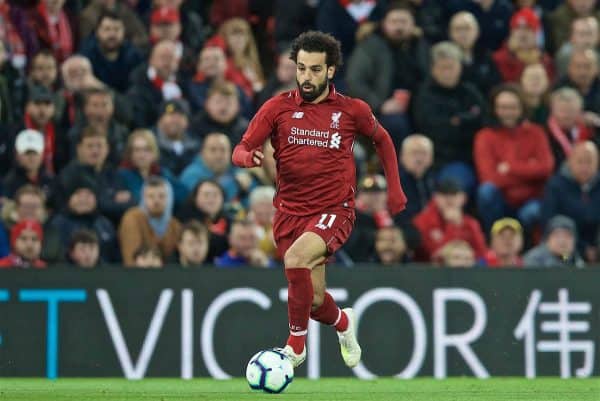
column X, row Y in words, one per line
column 315, row 91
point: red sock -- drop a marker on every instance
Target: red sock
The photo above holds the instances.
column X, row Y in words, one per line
column 329, row 313
column 300, row 295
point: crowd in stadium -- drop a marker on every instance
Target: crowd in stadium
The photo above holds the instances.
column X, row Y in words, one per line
column 118, row 118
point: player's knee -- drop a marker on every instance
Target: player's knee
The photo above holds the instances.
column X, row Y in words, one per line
column 293, row 258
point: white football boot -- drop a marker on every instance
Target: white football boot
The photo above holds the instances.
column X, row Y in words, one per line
column 349, row 346
column 294, row 358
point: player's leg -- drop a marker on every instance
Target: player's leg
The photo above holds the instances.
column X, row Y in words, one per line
column 305, row 253
column 326, row 311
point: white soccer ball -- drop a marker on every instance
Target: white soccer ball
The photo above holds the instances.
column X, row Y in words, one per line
column 270, row 371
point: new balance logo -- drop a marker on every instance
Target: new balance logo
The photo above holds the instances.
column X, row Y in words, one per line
column 298, row 115
column 336, row 139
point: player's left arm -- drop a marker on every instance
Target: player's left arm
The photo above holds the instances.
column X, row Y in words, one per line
column 368, row 125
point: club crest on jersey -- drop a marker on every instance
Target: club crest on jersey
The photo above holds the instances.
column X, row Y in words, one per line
column 298, row 115
column 335, row 120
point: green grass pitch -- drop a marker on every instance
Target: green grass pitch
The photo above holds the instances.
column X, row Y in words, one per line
column 460, row 389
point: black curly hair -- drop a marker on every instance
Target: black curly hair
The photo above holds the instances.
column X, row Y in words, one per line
column 318, row 42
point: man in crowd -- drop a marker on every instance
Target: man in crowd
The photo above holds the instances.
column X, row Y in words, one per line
column 243, row 248
column 558, row 248
column 84, row 249
column 506, row 244
column 193, row 244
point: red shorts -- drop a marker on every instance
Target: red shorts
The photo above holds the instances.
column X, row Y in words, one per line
column 333, row 225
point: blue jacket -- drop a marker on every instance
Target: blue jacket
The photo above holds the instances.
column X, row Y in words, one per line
column 563, row 195
column 197, row 171
column 134, row 182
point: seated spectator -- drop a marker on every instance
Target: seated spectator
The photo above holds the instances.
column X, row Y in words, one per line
column 450, row 112
column 135, row 31
column 478, row 67
column 443, row 220
column 43, row 70
column 522, row 47
column 584, row 35
column 98, row 111
column 558, row 248
column 154, row 83
column 26, row 246
column 386, row 67
column 84, row 249
column 561, row 19
column 150, row 223
column 140, row 161
column 28, row 169
column 457, row 253
column 574, row 191
column 176, row 144
column 214, row 162
column 80, row 211
column 262, row 212
column 243, row 248
column 53, row 28
column 194, row 28
column 148, row 257
column 506, row 244
column 566, row 126
column 221, row 113
column 243, row 53
column 535, row 84
column 92, row 152
column 282, row 80
column 193, row 245
column 416, row 159
column 513, row 160
column 390, row 247
column 112, row 57
column 15, row 36
column 212, row 67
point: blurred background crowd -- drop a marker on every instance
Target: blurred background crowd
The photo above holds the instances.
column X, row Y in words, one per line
column 118, row 118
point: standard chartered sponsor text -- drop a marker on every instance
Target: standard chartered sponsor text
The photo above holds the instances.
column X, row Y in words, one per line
column 301, row 136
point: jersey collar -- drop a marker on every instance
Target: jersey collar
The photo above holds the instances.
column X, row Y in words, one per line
column 332, row 95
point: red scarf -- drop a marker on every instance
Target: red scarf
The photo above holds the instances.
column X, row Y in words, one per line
column 359, row 11
column 566, row 139
column 60, row 33
column 168, row 88
column 49, row 142
column 13, row 260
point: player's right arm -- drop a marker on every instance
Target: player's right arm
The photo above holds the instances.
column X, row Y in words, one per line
column 248, row 153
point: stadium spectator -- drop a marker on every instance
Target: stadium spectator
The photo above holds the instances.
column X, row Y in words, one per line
column 561, row 19
column 43, row 70
column 112, row 58
column 243, row 54
column 150, row 223
column 574, row 191
column 443, row 220
column 416, row 159
column 194, row 30
column 558, row 248
column 478, row 67
column 506, row 244
column 566, row 126
column 16, row 38
column 450, row 112
column 206, row 205
column 244, row 248
column 165, row 24
column 53, row 28
column 214, row 162
column 291, row 19
column 386, row 67
column 193, row 245
column 26, row 246
column 262, row 212
column 457, row 253
column 584, row 35
column 98, row 111
column 582, row 75
column 535, row 85
column 84, row 249
column 283, row 79
column 81, row 211
column 390, row 247
column 513, row 160
column 222, row 113
column 522, row 47
column 141, row 161
column 91, row 162
column 154, row 83
column 135, row 31
column 148, row 256
column 176, row 144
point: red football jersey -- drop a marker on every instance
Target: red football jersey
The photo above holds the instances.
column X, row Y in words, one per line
column 313, row 148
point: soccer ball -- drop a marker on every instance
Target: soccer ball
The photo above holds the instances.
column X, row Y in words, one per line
column 270, row 371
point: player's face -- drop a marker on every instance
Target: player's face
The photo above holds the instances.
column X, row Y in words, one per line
column 312, row 74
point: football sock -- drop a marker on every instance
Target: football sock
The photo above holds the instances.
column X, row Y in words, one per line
column 329, row 313
column 300, row 295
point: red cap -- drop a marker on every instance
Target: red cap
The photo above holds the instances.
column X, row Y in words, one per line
column 527, row 18
column 22, row 225
column 216, row 41
column 165, row 15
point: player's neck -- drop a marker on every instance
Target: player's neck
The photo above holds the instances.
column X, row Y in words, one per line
column 322, row 97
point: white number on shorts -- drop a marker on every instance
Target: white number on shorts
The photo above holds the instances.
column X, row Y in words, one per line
column 322, row 225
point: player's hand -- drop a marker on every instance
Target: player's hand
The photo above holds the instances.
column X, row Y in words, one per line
column 256, row 158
